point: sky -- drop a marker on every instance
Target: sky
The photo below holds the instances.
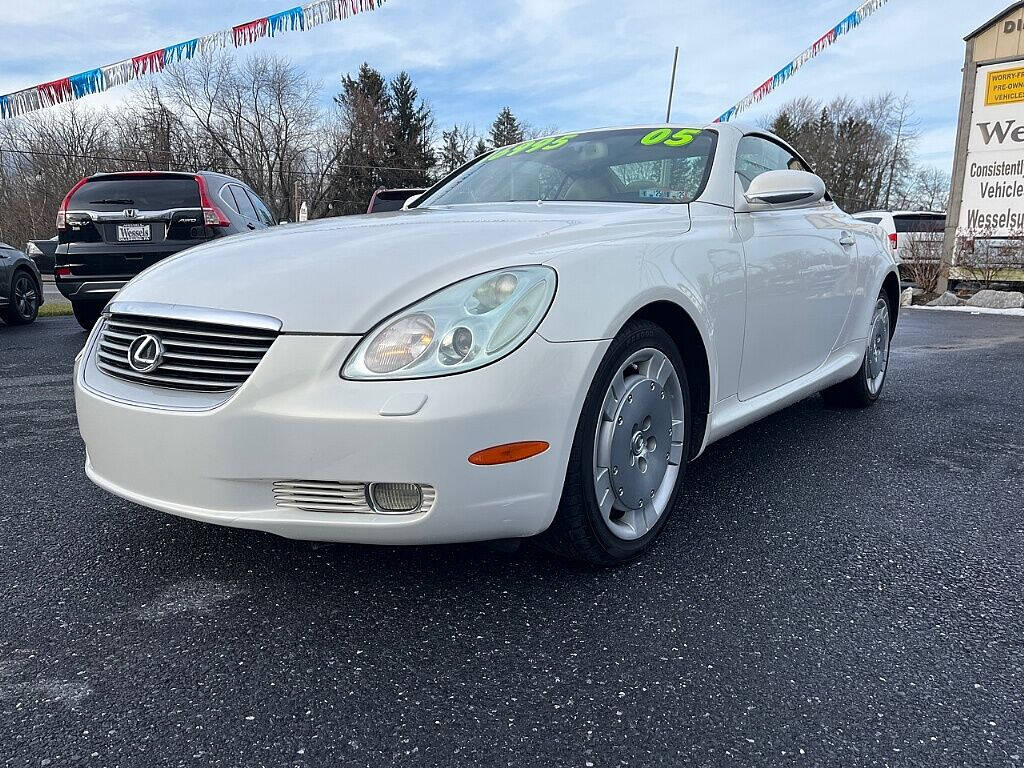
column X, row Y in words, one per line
column 559, row 64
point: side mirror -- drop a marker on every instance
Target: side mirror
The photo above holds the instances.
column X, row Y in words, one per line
column 411, row 202
column 785, row 188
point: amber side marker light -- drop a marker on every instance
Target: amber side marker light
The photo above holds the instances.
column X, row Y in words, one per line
column 506, row 454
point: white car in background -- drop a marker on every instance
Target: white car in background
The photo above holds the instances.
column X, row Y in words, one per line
column 539, row 345
column 928, row 227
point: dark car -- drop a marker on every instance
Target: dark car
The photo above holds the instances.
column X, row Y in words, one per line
column 391, row 199
column 42, row 252
column 111, row 226
column 21, row 287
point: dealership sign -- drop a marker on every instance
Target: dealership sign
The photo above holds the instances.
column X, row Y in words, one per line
column 993, row 192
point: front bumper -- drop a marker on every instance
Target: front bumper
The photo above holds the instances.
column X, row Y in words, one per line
column 296, row 419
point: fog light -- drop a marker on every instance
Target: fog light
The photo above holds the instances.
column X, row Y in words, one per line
column 395, row 497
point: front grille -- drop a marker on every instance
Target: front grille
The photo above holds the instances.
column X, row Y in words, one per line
column 330, row 496
column 197, row 356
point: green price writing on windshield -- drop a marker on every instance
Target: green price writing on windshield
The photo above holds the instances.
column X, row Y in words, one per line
column 669, row 138
column 546, row 144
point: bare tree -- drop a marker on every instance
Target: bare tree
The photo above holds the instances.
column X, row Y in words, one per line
column 259, row 119
column 41, row 157
column 928, row 191
column 921, row 261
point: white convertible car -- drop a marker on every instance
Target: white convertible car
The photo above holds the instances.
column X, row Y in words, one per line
column 539, row 344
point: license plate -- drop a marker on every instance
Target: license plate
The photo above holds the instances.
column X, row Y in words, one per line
column 132, row 232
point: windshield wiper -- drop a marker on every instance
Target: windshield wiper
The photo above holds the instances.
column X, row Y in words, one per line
column 112, row 201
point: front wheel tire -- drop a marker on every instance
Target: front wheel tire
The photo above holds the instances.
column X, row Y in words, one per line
column 24, row 300
column 865, row 387
column 629, row 453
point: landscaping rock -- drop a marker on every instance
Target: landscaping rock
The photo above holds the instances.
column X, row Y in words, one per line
column 997, row 299
column 907, row 297
column 948, row 299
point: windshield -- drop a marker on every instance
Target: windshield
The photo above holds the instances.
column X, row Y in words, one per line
column 634, row 165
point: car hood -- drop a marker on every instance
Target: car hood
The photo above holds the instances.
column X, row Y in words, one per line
column 345, row 275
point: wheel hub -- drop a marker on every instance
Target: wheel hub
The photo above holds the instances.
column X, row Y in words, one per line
column 640, row 443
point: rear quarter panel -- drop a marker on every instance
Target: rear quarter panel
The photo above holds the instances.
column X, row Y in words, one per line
column 876, row 263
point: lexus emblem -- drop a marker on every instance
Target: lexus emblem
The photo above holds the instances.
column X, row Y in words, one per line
column 145, row 353
column 130, row 213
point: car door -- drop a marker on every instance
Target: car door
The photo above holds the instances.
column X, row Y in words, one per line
column 800, row 275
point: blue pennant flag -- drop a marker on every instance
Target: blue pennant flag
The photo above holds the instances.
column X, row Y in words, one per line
column 285, row 21
column 782, row 75
column 87, row 82
column 181, row 51
column 847, row 24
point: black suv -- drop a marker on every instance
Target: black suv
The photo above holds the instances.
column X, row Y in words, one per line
column 111, row 226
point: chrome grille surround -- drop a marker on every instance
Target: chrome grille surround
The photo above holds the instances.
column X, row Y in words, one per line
column 204, row 350
column 332, row 496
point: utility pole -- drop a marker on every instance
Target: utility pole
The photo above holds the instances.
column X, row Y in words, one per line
column 295, row 201
column 672, row 86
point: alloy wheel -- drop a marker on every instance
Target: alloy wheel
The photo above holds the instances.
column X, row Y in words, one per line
column 25, row 296
column 638, row 443
column 876, row 360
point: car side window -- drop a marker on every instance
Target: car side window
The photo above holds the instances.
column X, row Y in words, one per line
column 228, row 198
column 262, row 212
column 242, row 202
column 756, row 155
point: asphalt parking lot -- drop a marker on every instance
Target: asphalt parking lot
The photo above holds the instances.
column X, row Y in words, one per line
column 836, row 589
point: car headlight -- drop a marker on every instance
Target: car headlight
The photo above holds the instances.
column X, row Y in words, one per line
column 464, row 326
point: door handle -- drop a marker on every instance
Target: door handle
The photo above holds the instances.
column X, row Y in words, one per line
column 847, row 240
column 251, row 226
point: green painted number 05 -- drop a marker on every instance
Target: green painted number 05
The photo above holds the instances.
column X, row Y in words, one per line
column 666, row 136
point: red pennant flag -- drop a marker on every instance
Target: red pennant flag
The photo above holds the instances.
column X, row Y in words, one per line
column 249, row 32
column 148, row 63
column 56, row 91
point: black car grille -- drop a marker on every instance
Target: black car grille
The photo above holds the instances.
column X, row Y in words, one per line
column 199, row 357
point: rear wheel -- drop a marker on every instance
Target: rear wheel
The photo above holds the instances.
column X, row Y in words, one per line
column 24, row 300
column 87, row 312
column 865, row 387
column 629, row 453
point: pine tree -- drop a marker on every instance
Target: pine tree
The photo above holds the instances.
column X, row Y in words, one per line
column 480, row 148
column 412, row 123
column 783, row 126
column 506, row 129
column 387, row 128
column 365, row 107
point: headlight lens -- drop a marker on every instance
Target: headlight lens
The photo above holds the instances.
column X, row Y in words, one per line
column 400, row 344
column 462, row 327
